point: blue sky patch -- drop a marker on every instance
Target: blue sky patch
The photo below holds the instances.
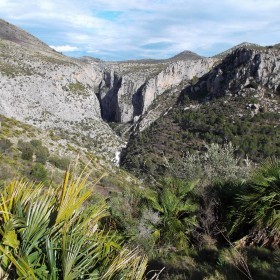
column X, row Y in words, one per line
column 122, row 30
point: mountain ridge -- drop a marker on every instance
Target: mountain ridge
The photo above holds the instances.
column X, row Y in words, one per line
column 89, row 93
column 19, row 36
column 238, row 100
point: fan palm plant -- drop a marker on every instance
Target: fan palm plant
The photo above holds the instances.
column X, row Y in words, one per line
column 177, row 208
column 51, row 234
column 259, row 203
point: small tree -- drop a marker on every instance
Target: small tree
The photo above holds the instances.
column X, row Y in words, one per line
column 42, row 154
column 61, row 163
column 26, row 149
column 39, row 172
column 5, row 144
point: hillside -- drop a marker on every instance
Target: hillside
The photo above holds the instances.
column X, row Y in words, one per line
column 87, row 92
column 42, row 155
column 198, row 143
column 237, row 101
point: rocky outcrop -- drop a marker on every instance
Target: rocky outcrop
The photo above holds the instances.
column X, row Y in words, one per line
column 172, row 76
column 74, row 96
column 44, row 88
column 125, row 96
column 249, row 67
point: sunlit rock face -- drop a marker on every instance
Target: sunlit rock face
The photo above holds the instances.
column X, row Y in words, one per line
column 42, row 87
column 128, row 89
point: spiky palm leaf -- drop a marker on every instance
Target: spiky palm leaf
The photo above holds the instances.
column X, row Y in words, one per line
column 177, row 208
column 127, row 265
column 51, row 234
column 259, row 203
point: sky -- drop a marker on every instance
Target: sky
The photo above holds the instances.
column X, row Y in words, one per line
column 139, row 29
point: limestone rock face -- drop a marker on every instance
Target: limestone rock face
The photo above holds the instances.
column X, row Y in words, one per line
column 249, row 70
column 172, row 76
column 41, row 87
column 64, row 93
column 246, row 67
column 78, row 97
column 125, row 93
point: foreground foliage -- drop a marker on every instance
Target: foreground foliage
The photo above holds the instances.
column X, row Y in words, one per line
column 258, row 204
column 222, row 223
column 52, row 234
column 223, row 226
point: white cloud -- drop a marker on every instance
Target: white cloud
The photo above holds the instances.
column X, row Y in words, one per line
column 65, row 48
column 125, row 28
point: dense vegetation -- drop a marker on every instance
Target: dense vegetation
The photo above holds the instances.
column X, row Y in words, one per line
column 223, row 225
column 205, row 211
column 50, row 233
column 192, row 125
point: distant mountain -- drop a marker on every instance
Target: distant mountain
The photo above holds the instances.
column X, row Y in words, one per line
column 242, row 45
column 16, row 35
column 90, row 59
column 238, row 100
column 100, row 104
column 185, row 55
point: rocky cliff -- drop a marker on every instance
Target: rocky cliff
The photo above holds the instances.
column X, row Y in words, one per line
column 79, row 97
column 248, row 70
column 41, row 87
column 127, row 90
column 246, row 67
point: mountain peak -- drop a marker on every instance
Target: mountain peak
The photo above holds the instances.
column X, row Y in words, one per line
column 239, row 46
column 246, row 44
column 17, row 35
column 185, row 55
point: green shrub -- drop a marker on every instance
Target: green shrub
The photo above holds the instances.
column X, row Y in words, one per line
column 27, row 150
column 177, row 209
column 36, row 143
column 136, row 220
column 42, row 154
column 5, row 144
column 217, row 163
column 39, row 172
column 61, row 163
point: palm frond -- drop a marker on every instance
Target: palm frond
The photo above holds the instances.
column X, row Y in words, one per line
column 23, row 268
column 37, row 220
column 127, row 265
column 72, row 196
column 259, row 203
column 52, row 252
column 53, row 234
